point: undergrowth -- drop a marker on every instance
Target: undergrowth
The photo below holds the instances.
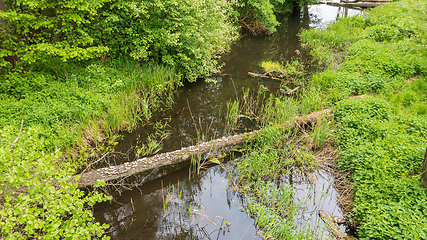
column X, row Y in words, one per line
column 381, row 138
column 65, row 122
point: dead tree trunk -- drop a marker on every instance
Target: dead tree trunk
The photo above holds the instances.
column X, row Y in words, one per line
column 163, row 159
column 424, row 173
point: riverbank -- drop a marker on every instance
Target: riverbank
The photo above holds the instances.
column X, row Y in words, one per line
column 66, row 124
column 381, row 139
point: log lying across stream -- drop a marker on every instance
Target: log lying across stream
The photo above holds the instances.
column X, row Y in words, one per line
column 149, row 163
column 359, row 4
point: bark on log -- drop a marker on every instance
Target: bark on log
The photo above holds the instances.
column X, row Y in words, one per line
column 163, row 159
column 333, row 226
column 424, row 173
column 267, row 77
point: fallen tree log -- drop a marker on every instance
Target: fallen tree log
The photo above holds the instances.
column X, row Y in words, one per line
column 267, row 77
column 163, row 159
column 357, row 4
column 354, row 1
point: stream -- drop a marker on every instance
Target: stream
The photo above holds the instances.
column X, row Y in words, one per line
column 173, row 205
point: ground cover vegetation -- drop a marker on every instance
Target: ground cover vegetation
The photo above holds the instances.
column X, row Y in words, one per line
column 381, row 138
column 77, row 73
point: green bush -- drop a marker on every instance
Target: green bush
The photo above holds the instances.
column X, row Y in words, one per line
column 39, row 31
column 187, row 35
column 37, row 202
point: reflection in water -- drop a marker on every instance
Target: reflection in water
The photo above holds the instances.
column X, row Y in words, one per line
column 215, row 211
column 143, row 215
column 322, row 15
column 140, row 214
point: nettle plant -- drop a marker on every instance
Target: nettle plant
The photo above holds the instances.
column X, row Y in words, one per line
column 35, row 199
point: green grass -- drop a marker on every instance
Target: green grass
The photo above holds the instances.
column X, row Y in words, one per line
column 69, row 117
column 91, row 105
column 381, row 138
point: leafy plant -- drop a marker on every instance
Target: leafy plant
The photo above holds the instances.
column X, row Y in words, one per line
column 37, row 200
column 381, row 138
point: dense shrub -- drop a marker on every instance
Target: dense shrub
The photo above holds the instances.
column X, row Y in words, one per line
column 184, row 34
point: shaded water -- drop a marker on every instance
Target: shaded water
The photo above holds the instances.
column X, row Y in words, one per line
column 200, row 109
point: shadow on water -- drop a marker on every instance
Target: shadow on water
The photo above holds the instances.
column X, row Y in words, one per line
column 140, row 213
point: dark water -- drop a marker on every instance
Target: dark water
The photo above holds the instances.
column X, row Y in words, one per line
column 199, row 109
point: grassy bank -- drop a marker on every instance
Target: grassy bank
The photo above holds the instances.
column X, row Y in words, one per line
column 89, row 105
column 66, row 122
column 382, row 138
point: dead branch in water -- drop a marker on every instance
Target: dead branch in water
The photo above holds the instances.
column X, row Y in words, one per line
column 333, row 226
column 267, row 77
column 357, row 4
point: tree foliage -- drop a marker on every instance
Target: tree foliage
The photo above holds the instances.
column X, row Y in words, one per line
column 259, row 16
column 185, row 34
column 188, row 35
column 41, row 30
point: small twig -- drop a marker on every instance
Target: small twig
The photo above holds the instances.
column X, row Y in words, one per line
column 16, row 140
column 292, row 91
column 235, row 91
column 274, row 70
column 95, row 162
